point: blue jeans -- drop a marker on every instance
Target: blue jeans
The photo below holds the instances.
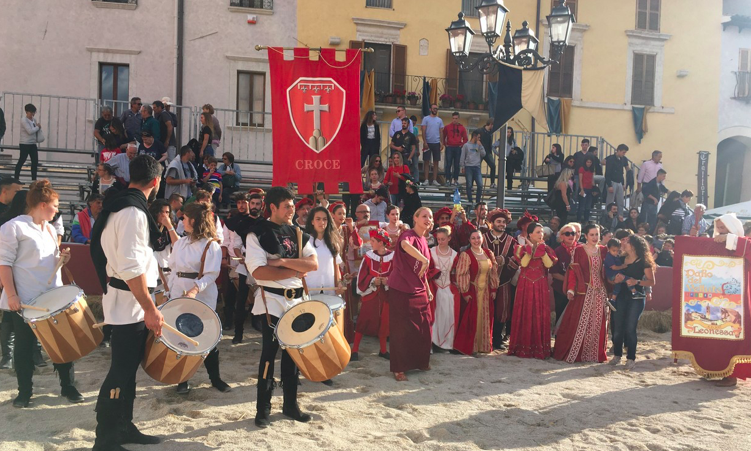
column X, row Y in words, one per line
column 473, row 174
column 451, row 167
column 649, row 215
column 414, row 165
column 625, row 319
column 585, row 204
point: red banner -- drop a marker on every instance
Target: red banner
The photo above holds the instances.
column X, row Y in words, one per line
column 711, row 300
column 315, row 120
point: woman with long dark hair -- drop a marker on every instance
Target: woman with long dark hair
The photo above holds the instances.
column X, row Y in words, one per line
column 370, row 137
column 27, row 143
column 629, row 305
column 582, row 332
column 530, row 323
column 328, row 244
column 631, row 222
column 555, row 157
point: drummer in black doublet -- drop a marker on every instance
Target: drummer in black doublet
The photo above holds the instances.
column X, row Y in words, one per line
column 122, row 248
column 274, row 259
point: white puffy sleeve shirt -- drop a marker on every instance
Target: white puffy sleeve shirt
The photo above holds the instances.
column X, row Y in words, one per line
column 125, row 241
column 186, row 257
column 255, row 258
column 31, row 251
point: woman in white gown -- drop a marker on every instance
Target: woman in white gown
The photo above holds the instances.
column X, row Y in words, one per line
column 445, row 293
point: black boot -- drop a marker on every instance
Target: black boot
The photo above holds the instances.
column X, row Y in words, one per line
column 22, row 400
column 290, row 408
column 37, row 356
column 109, row 414
column 131, row 434
column 263, row 402
column 66, row 373
column 212, row 367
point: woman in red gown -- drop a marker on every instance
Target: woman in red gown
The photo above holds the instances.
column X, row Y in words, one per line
column 477, row 279
column 582, row 331
column 530, row 324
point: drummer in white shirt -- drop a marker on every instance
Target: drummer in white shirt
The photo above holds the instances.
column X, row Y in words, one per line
column 29, row 255
column 196, row 260
column 273, row 259
column 327, row 243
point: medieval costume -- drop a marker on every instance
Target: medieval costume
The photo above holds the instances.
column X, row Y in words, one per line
column 445, row 297
column 502, row 248
column 477, row 280
column 582, row 331
column 374, row 310
column 530, row 325
column 565, row 255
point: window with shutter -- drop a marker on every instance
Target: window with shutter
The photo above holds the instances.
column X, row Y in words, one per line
column 452, row 76
column 113, row 86
column 648, row 15
column 469, row 7
column 643, row 79
column 472, row 83
column 380, row 62
column 399, row 64
column 561, row 75
column 251, row 98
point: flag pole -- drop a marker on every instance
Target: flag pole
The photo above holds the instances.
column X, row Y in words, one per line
column 315, row 49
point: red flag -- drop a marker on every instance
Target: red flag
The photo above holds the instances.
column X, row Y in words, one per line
column 316, row 133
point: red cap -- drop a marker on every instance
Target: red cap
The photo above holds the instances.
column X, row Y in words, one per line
column 257, row 191
column 443, row 211
column 380, row 235
column 303, row 202
column 334, row 205
column 525, row 220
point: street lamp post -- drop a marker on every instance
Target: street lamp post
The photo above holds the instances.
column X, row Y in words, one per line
column 521, row 50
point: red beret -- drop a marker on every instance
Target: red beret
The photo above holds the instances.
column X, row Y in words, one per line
column 303, row 202
column 257, row 191
column 525, row 220
column 334, row 205
column 499, row 213
column 380, row 235
column 443, row 211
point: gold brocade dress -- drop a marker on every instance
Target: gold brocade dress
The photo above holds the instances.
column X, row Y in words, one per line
column 483, row 307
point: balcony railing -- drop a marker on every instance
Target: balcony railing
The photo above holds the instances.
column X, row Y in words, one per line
column 132, row 2
column 378, row 3
column 742, row 85
column 393, row 88
column 256, row 4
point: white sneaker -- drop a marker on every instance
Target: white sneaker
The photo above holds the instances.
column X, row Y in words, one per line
column 425, row 183
column 630, row 364
column 435, row 183
column 493, row 186
column 615, row 360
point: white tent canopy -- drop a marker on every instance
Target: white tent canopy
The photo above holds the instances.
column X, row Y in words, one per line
column 742, row 210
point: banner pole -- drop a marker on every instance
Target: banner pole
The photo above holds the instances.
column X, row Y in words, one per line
column 315, row 49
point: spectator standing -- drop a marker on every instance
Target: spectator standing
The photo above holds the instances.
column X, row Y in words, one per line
column 599, row 179
column 579, row 158
column 231, row 176
column 615, row 165
column 104, row 127
column 167, row 106
column 121, row 164
column 454, row 137
column 396, row 123
column 83, row 222
column 695, row 224
column 110, row 149
column 679, row 213
column 206, row 137
column 150, row 146
column 370, row 138
column 586, row 178
column 414, row 163
column 555, row 157
column 395, row 177
column 562, row 194
column 648, row 170
column 28, row 142
column 105, row 178
column 653, row 191
column 514, row 163
column 216, row 128
column 149, row 124
column 181, row 175
column 486, row 139
column 432, row 128
column 166, row 128
column 404, row 141
column 2, row 124
column 131, row 119
column 470, row 161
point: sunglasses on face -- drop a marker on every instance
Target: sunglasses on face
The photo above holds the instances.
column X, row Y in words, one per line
column 568, row 233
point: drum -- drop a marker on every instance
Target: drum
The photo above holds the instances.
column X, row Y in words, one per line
column 169, row 358
column 158, row 297
column 65, row 331
column 317, row 346
column 337, row 306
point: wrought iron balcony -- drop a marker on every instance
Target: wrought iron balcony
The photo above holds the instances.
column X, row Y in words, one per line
column 461, row 94
column 742, row 86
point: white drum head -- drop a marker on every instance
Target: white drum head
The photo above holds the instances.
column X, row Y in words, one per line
column 55, row 300
column 304, row 324
column 196, row 320
column 334, row 302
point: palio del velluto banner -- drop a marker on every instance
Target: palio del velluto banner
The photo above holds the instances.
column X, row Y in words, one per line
column 315, row 120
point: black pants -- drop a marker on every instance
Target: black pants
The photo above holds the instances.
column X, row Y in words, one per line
column 551, row 181
column 509, row 176
column 22, row 355
column 229, row 304
column 28, row 151
column 351, row 201
column 241, row 312
column 489, row 158
column 561, row 301
column 368, row 149
column 6, row 331
column 506, row 331
column 127, row 346
column 269, row 348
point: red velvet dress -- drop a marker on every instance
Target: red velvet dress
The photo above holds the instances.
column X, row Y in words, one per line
column 474, row 326
column 530, row 323
column 582, row 333
column 374, row 310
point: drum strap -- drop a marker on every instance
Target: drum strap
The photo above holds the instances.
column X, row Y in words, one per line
column 163, row 279
column 266, row 307
column 299, row 254
column 203, row 258
column 65, row 268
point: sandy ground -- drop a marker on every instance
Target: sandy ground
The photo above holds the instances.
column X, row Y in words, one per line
column 463, row 403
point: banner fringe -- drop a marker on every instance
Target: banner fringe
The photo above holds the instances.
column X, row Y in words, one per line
column 712, row 375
